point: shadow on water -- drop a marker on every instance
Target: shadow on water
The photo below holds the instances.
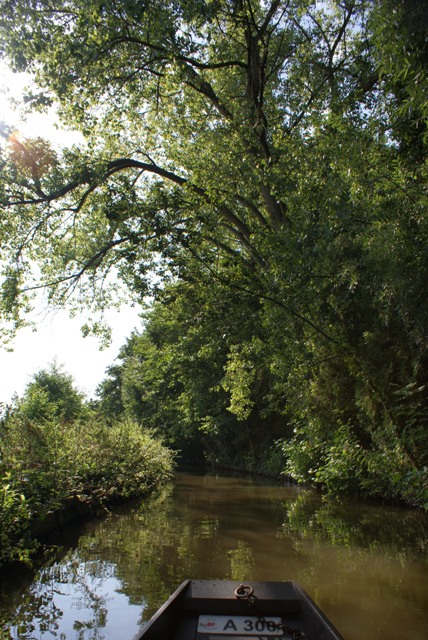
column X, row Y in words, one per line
column 365, row 566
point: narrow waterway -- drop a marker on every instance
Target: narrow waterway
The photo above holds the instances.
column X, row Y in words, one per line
column 365, row 566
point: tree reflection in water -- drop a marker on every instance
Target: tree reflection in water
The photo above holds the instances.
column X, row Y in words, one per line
column 70, row 599
column 364, row 565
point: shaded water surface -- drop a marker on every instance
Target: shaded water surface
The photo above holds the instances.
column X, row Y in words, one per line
column 365, row 566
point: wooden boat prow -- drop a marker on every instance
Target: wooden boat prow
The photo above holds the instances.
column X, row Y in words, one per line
column 229, row 610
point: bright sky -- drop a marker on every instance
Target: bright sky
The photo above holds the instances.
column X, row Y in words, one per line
column 58, row 338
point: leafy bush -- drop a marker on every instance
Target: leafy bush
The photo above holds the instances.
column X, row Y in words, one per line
column 122, row 459
column 343, row 464
column 340, row 465
column 47, row 462
column 51, row 461
column 14, row 521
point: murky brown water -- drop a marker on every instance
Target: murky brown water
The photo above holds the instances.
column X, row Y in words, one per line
column 365, row 566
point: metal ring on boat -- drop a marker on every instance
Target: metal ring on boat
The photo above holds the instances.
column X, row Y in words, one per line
column 244, row 591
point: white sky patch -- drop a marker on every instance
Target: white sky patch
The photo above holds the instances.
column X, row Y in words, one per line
column 31, row 125
column 58, row 339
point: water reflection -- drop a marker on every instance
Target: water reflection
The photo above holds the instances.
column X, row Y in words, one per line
column 365, row 566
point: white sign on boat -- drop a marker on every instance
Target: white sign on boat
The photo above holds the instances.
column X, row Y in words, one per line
column 240, row 625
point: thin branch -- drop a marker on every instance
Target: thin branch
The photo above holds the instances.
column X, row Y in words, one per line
column 170, row 54
column 253, row 209
column 269, row 298
column 240, row 228
column 94, row 261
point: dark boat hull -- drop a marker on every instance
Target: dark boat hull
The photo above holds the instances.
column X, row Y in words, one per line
column 257, row 610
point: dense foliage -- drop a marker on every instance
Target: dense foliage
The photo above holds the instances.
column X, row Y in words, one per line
column 260, row 167
column 50, row 457
column 199, row 375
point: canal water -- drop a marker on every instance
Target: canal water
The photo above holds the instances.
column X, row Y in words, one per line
column 365, row 566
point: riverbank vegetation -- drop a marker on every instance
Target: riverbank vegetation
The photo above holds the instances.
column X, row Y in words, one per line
column 259, row 169
column 214, row 374
column 55, row 452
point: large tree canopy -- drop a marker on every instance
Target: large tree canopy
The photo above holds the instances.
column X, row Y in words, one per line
column 214, row 127
column 276, row 148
